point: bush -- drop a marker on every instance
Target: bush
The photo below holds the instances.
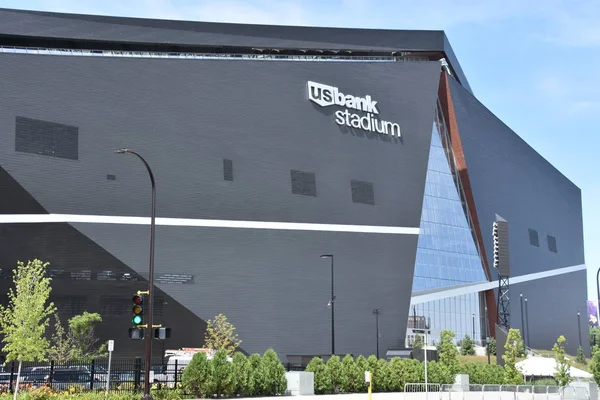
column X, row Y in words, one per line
column 352, row 380
column 221, row 380
column 483, row 374
column 334, row 370
column 580, row 358
column 241, row 371
column 322, row 382
column 403, row 371
column 491, row 348
column 254, row 379
column 466, row 347
column 197, row 375
column 273, row 372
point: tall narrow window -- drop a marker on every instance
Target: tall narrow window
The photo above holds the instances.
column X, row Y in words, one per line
column 534, row 238
column 304, row 183
column 552, row 244
column 228, row 170
column 362, row 192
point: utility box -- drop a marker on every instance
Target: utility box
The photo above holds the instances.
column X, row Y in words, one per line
column 300, row 383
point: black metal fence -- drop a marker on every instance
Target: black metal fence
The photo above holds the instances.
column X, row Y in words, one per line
column 126, row 374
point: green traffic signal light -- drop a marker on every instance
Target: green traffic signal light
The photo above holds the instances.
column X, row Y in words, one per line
column 137, row 320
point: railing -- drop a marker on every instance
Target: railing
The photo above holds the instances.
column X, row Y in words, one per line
column 432, row 391
column 125, row 375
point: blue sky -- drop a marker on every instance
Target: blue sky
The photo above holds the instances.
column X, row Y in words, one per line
column 533, row 63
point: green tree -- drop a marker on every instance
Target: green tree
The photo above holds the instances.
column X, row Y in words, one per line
column 220, row 334
column 483, row 374
column 334, row 370
column 467, row 348
column 254, row 379
column 197, row 376
column 83, row 337
column 491, row 348
column 362, row 366
column 222, row 383
column 60, row 351
column 594, row 337
column 275, row 382
column 321, row 377
column 512, row 376
column 403, row 371
column 448, row 354
column 381, row 381
column 418, row 343
column 23, row 322
column 241, row 372
column 580, row 358
column 352, row 378
column 595, row 364
column 562, row 368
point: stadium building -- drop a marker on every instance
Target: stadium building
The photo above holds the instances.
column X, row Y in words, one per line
column 272, row 146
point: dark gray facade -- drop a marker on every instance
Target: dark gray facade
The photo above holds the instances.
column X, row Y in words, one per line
column 232, row 136
column 511, row 179
column 271, row 284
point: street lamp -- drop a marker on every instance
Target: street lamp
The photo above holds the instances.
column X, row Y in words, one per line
column 487, row 335
column 522, row 319
column 579, row 326
column 332, row 305
column 376, row 312
column 527, row 322
column 149, row 335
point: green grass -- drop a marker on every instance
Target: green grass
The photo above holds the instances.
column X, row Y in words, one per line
column 477, row 359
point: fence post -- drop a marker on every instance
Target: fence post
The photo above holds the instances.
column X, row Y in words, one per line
column 175, row 375
column 137, row 372
column 92, row 371
column 51, row 373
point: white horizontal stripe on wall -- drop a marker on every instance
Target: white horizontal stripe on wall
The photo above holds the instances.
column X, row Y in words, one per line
column 204, row 223
column 482, row 287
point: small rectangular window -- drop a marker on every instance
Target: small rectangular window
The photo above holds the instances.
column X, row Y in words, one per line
column 552, row 244
column 534, row 239
column 304, row 183
column 362, row 192
column 228, row 170
column 46, row 138
column 110, row 177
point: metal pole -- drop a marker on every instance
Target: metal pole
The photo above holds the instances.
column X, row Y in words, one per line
column 108, row 376
column 522, row 319
column 598, row 297
column 426, row 389
column 148, row 334
column 332, row 312
column 527, row 321
column 487, row 336
column 376, row 312
column 579, row 326
column 474, row 327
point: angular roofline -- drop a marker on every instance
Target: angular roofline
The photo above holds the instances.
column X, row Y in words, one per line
column 23, row 25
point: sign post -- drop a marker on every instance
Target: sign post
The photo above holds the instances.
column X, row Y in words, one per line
column 111, row 347
column 369, row 380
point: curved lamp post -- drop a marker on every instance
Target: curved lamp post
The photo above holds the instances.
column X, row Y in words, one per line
column 148, row 336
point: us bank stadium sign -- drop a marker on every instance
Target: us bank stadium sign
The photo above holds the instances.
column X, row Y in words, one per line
column 368, row 120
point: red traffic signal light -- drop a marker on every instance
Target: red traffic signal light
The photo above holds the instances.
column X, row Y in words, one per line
column 137, row 299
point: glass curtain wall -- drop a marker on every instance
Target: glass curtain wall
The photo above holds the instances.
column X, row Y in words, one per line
column 447, row 254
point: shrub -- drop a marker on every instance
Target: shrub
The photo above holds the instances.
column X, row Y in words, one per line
column 362, row 366
column 241, row 372
column 491, row 348
column 403, row 371
column 334, row 370
column 222, row 380
column 448, row 353
column 254, row 379
column 197, row 375
column 483, row 374
column 42, row 393
column 580, row 358
column 466, row 347
column 275, row 382
column 322, row 381
column 352, row 379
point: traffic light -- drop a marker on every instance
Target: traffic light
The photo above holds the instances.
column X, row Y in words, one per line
column 137, row 333
column 138, row 310
column 162, row 333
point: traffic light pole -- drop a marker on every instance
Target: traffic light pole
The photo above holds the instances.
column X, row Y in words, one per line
column 148, row 336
